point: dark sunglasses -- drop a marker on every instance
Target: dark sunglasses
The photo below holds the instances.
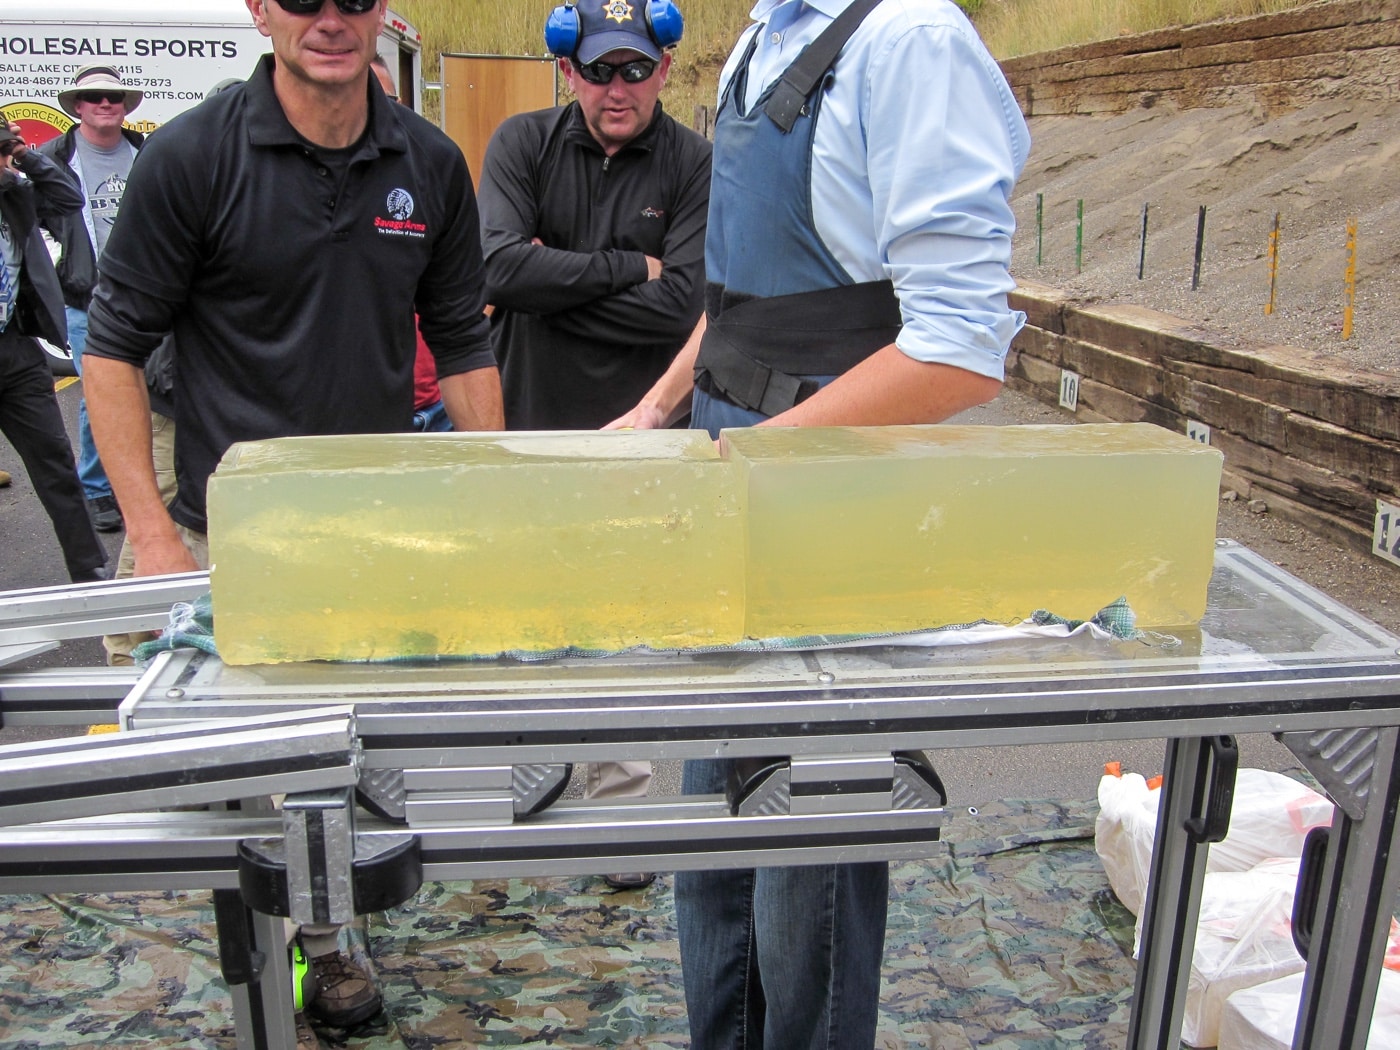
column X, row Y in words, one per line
column 311, row 7
column 116, row 98
column 7, row 147
column 633, row 72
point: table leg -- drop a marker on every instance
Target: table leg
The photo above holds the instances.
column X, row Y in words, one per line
column 1350, row 915
column 1197, row 787
column 253, row 958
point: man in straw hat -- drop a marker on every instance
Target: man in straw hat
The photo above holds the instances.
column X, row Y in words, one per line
column 98, row 152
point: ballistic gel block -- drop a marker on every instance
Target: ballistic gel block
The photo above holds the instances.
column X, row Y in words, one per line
column 872, row 529
column 364, row 547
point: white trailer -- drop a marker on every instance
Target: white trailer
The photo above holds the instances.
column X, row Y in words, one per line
column 173, row 50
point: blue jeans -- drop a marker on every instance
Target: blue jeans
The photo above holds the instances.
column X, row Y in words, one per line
column 90, row 470
column 780, row 958
column 777, row 958
column 432, row 419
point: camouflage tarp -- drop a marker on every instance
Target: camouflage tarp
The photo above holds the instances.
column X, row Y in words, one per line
column 1007, row 937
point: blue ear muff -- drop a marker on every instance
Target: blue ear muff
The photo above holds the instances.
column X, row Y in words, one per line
column 665, row 23
column 561, row 31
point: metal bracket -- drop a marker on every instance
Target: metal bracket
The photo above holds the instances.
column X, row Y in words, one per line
column 834, row 784
column 1343, row 760
column 495, row 794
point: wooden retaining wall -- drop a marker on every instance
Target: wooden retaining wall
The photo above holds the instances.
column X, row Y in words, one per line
column 1341, row 48
column 1318, row 442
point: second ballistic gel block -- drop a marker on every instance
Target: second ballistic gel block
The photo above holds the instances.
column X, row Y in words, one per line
column 875, row 529
column 346, row 548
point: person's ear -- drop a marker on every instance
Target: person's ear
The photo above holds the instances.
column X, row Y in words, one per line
column 256, row 8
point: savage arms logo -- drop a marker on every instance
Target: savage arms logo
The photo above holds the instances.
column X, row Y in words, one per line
column 399, row 205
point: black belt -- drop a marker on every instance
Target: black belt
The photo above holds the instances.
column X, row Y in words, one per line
column 754, row 354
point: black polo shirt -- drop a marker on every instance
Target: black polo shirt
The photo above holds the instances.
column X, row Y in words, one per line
column 290, row 276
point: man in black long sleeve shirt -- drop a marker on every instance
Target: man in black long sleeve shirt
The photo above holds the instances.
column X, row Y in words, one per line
column 593, row 228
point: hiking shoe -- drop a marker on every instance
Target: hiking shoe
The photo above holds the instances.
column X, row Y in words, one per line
column 106, row 515
column 342, row 995
column 307, row 1039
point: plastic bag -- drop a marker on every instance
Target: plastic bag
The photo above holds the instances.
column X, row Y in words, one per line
column 1263, row 1017
column 1270, row 817
column 1244, row 939
column 1123, row 834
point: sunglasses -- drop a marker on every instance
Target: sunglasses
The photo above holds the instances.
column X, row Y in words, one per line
column 116, row 98
column 633, row 72
column 311, row 7
column 7, row 147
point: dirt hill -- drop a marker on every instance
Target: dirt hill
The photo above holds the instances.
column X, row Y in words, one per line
column 1315, row 166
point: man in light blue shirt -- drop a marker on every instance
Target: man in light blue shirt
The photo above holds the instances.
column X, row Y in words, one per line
column 856, row 263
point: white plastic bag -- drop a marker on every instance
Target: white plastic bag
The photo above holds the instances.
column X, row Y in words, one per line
column 1263, row 1017
column 1244, row 939
column 1270, row 817
column 1123, row 834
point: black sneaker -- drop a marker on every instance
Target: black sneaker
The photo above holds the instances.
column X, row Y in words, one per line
column 106, row 515
column 96, row 575
column 342, row 995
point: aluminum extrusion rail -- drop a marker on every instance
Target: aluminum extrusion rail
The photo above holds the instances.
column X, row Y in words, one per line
column 41, row 614
column 184, row 765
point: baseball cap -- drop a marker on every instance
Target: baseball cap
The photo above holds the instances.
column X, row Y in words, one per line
column 613, row 25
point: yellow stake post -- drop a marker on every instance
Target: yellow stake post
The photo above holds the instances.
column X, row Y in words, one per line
column 1349, row 282
column 1273, row 265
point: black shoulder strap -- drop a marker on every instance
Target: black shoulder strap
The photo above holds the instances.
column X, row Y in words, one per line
column 801, row 77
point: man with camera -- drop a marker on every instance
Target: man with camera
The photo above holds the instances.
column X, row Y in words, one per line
column 31, row 304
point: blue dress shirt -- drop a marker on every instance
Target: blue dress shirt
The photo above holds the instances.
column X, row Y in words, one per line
column 917, row 146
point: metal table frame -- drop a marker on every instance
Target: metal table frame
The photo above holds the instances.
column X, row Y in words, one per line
column 1272, row 655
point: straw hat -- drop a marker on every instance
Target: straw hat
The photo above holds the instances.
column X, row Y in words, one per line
column 97, row 78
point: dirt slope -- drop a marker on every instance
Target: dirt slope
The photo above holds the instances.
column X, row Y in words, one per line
column 1316, row 166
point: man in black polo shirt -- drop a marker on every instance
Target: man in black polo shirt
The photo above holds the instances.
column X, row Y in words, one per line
column 285, row 230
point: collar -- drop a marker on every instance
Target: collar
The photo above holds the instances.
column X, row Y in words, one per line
column 268, row 124
column 577, row 131
column 763, row 10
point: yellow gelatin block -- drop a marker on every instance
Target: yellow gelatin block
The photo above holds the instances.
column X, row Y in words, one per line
column 368, row 547
column 874, row 529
